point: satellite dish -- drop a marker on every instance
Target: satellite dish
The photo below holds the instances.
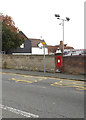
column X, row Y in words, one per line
column 40, row 45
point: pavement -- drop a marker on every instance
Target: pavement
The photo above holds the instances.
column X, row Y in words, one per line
column 55, row 75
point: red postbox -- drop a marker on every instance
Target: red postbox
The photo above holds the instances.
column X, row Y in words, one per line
column 58, row 61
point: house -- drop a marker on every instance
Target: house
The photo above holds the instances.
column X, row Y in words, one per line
column 25, row 48
column 53, row 49
column 31, row 46
column 37, row 46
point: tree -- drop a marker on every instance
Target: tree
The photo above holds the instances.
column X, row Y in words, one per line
column 11, row 38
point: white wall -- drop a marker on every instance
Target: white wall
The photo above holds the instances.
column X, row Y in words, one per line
column 37, row 50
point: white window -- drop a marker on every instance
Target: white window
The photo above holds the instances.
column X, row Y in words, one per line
column 22, row 46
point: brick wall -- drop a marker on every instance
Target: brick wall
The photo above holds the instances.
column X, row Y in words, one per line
column 71, row 64
column 74, row 64
column 29, row 62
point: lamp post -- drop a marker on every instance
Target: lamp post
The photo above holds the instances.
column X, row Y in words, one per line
column 44, row 43
column 67, row 19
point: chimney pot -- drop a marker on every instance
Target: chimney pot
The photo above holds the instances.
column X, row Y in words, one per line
column 61, row 42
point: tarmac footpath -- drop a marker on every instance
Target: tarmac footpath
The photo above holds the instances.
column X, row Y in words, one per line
column 76, row 77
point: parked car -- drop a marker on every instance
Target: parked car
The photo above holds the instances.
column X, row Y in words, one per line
column 72, row 53
column 84, row 53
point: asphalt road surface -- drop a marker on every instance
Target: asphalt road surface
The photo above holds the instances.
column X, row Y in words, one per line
column 25, row 96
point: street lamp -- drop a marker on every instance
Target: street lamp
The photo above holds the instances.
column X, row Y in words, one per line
column 67, row 19
column 44, row 44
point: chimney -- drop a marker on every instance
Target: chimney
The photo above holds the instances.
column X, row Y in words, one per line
column 61, row 42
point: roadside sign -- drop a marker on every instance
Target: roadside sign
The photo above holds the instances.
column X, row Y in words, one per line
column 43, row 43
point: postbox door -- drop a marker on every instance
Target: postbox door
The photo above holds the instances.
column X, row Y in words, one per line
column 58, row 61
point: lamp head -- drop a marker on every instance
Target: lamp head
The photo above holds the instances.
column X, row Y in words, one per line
column 57, row 15
column 67, row 18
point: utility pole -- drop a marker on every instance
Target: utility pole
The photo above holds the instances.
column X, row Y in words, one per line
column 67, row 19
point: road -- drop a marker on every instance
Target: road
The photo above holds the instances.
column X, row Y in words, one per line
column 26, row 96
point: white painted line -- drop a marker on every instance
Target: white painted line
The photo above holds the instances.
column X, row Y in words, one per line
column 19, row 112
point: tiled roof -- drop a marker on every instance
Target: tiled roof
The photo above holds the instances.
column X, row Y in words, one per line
column 68, row 47
column 52, row 49
column 35, row 42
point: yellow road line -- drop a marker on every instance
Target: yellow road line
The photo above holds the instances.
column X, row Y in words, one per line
column 17, row 74
column 17, row 80
column 41, row 78
column 27, row 82
column 24, row 81
column 67, row 84
column 62, row 82
column 24, row 75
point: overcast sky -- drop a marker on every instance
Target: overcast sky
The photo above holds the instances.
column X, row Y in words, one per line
column 36, row 18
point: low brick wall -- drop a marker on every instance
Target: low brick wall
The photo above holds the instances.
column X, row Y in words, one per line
column 74, row 64
column 71, row 64
column 29, row 62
